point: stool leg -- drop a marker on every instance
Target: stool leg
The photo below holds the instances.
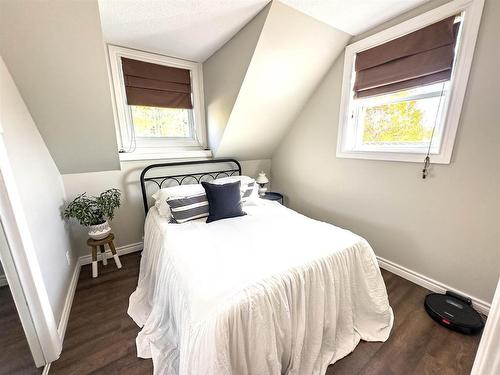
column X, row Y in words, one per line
column 103, row 255
column 115, row 255
column 94, row 261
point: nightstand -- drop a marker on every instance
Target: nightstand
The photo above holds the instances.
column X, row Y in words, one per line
column 273, row 196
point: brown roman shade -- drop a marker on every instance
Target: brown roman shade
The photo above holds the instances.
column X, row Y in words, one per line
column 419, row 58
column 156, row 85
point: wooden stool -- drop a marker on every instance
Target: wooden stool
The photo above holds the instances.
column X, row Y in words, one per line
column 93, row 246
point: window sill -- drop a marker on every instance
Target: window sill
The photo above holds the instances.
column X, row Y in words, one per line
column 394, row 156
column 180, row 154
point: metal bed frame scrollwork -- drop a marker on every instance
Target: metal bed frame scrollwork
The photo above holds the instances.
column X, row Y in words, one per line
column 181, row 178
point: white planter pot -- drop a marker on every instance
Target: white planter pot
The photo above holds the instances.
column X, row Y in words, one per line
column 99, row 231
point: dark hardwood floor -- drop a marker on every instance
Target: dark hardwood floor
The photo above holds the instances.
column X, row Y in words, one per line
column 100, row 338
column 15, row 355
column 417, row 344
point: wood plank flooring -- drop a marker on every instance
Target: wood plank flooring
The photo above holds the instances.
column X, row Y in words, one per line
column 15, row 355
column 100, row 338
column 417, row 344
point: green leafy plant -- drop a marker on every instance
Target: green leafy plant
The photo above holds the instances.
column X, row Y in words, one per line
column 397, row 122
column 93, row 210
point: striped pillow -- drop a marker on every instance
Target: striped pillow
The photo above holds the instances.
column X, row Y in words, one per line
column 188, row 208
column 247, row 190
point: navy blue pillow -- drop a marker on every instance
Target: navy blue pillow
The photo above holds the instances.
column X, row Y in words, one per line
column 224, row 201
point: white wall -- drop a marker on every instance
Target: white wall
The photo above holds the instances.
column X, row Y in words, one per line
column 445, row 227
column 487, row 359
column 40, row 188
column 128, row 224
column 54, row 51
column 293, row 53
column 223, row 74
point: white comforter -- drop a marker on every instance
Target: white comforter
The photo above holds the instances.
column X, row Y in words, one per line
column 272, row 292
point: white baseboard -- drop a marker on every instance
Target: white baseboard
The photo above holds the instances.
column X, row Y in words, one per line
column 63, row 322
column 428, row 283
column 3, row 281
column 83, row 260
column 122, row 250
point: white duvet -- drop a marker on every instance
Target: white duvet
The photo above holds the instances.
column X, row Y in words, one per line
column 272, row 292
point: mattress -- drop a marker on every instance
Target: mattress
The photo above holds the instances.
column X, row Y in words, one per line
column 271, row 292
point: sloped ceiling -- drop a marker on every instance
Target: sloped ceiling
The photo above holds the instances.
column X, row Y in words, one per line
column 223, row 75
column 257, row 77
column 292, row 54
column 191, row 30
column 353, row 16
column 195, row 29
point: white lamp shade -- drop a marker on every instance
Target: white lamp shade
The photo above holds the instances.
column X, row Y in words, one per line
column 262, row 179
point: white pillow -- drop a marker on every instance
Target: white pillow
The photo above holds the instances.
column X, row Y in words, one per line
column 245, row 182
column 178, row 191
column 225, row 180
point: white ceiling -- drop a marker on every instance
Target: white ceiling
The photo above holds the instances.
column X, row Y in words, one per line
column 195, row 29
column 353, row 16
column 188, row 29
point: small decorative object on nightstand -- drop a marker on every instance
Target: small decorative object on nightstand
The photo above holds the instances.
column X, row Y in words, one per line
column 262, row 180
column 273, row 196
column 105, row 241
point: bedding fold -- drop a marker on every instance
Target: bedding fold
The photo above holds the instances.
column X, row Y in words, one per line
column 211, row 299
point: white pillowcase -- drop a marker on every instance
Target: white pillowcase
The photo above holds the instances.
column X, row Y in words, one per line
column 225, row 180
column 245, row 181
column 178, row 191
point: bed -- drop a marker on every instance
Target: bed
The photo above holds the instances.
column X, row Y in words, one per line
column 271, row 292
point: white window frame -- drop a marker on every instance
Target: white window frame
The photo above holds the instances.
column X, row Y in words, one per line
column 159, row 148
column 472, row 10
column 419, row 148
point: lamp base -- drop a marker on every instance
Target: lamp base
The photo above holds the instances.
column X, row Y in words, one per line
column 262, row 190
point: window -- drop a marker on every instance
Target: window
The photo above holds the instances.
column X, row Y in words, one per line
column 160, row 122
column 159, row 106
column 403, row 87
column 403, row 121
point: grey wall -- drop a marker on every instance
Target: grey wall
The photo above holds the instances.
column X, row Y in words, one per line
column 446, row 227
column 55, row 53
column 41, row 192
column 223, row 74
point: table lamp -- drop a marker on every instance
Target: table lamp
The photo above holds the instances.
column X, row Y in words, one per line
column 262, row 180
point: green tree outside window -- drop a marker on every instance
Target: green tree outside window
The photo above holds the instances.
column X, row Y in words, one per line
column 396, row 122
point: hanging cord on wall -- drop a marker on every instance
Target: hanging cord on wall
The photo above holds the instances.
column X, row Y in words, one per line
column 132, row 145
column 427, row 160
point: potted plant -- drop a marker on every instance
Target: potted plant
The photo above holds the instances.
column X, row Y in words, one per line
column 94, row 212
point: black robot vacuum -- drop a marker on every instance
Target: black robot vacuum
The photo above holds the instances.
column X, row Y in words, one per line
column 454, row 311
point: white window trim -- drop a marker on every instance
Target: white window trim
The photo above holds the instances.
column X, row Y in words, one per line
column 403, row 148
column 181, row 148
column 453, row 106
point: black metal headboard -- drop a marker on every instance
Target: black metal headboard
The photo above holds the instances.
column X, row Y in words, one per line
column 179, row 179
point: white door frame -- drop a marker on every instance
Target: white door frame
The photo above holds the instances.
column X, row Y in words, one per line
column 19, row 299
column 488, row 354
column 23, row 271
